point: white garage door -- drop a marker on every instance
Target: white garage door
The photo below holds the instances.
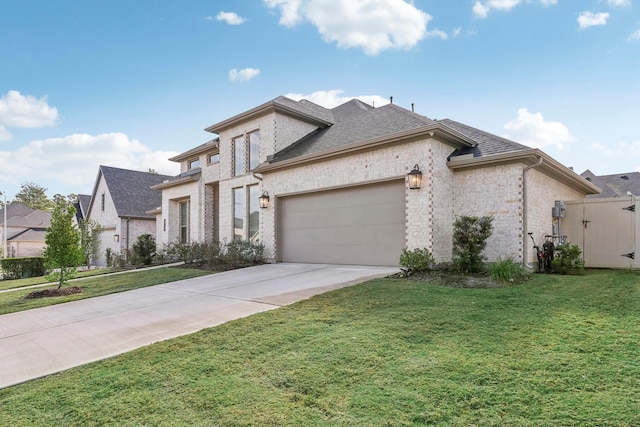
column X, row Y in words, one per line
column 362, row 225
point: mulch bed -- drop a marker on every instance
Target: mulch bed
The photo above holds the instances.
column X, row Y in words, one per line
column 54, row 292
column 453, row 280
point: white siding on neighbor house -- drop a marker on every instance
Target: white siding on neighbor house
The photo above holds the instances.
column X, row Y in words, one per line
column 108, row 219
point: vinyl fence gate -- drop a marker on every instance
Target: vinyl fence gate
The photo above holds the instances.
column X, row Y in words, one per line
column 607, row 231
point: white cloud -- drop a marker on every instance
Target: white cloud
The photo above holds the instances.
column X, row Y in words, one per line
column 436, row 33
column 621, row 149
column 333, row 98
column 619, row 3
column 634, row 36
column 19, row 111
column 371, row 25
column 72, row 161
column 456, row 32
column 588, row 19
column 243, row 75
column 481, row 9
column 230, row 18
column 531, row 129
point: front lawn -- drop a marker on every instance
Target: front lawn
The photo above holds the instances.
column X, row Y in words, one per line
column 13, row 301
column 557, row 350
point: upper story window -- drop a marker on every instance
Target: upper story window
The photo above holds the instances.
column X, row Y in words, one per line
column 102, row 202
column 213, row 158
column 246, row 153
column 194, row 163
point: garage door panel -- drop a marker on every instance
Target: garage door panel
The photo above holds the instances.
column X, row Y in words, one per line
column 357, row 225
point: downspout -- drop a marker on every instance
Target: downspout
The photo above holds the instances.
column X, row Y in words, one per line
column 525, row 222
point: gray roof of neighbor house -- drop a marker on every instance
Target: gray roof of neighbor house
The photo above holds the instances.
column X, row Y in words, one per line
column 29, row 235
column 82, row 206
column 35, row 219
column 131, row 191
column 616, row 185
column 16, row 209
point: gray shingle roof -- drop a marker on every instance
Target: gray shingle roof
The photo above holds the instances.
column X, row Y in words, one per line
column 616, row 185
column 131, row 191
column 16, row 209
column 486, row 143
column 354, row 122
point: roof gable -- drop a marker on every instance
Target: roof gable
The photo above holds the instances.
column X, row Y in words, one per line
column 131, row 191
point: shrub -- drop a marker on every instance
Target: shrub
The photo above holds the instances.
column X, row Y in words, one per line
column 507, row 271
column 144, row 249
column 568, row 259
column 470, row 236
column 417, row 259
column 216, row 255
column 18, row 268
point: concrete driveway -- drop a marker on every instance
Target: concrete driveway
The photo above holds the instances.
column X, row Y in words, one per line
column 43, row 341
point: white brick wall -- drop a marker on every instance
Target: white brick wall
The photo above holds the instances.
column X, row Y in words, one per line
column 494, row 191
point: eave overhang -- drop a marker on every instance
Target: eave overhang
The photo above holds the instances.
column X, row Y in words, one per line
column 201, row 149
column 530, row 157
column 436, row 130
column 261, row 110
column 178, row 181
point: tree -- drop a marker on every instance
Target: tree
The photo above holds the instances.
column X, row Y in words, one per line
column 144, row 249
column 63, row 253
column 34, row 196
column 470, row 234
column 89, row 243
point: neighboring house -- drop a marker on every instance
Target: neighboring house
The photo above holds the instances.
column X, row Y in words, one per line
column 618, row 185
column 82, row 206
column 337, row 185
column 119, row 203
column 26, row 230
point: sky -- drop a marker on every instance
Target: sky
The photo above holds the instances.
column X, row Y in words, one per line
column 130, row 84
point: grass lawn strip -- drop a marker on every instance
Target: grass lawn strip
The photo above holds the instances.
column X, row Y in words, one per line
column 14, row 301
column 558, row 350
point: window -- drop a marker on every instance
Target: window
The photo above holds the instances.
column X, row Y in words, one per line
column 213, row 158
column 238, row 213
column 183, row 212
column 246, row 213
column 246, row 153
column 102, row 202
column 254, row 213
column 194, row 163
column 239, row 153
column 254, row 149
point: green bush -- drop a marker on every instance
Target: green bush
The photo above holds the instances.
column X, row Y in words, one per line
column 216, row 255
column 470, row 236
column 144, row 249
column 568, row 259
column 18, row 268
column 417, row 259
column 507, row 271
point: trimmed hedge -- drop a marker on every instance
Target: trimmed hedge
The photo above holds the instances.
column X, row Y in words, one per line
column 19, row 268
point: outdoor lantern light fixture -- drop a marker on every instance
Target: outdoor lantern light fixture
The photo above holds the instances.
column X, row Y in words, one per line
column 415, row 178
column 264, row 200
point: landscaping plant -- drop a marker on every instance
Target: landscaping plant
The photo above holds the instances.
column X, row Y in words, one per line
column 470, row 234
column 507, row 271
column 568, row 259
column 63, row 253
column 419, row 259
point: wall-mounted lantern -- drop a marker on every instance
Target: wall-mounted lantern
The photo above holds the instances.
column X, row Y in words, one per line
column 264, row 200
column 116, row 237
column 415, row 178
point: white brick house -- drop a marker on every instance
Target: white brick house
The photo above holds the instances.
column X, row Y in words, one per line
column 337, row 185
column 119, row 203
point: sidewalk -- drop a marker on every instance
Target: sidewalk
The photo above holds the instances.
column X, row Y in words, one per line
column 43, row 341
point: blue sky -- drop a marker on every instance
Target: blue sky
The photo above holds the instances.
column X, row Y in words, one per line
column 131, row 83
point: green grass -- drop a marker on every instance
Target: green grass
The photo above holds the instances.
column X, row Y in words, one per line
column 555, row 351
column 13, row 301
column 19, row 283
